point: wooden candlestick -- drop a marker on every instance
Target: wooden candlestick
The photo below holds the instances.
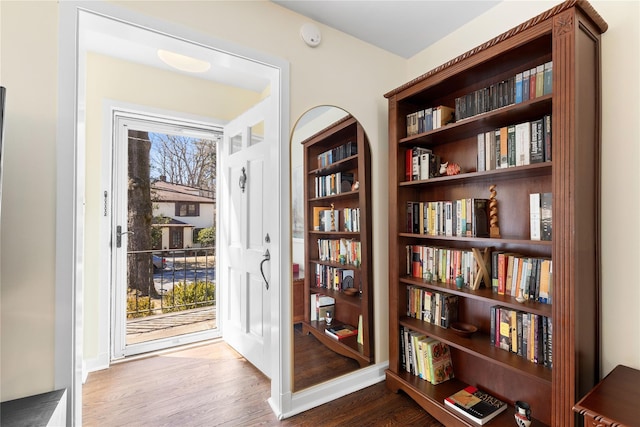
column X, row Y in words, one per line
column 494, row 230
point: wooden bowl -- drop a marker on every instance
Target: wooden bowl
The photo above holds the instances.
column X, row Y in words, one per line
column 463, row 329
column 351, row 292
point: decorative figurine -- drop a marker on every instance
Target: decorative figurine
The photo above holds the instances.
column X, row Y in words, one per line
column 453, row 169
column 443, row 168
column 523, row 414
column 494, row 230
column 429, row 276
column 355, row 186
column 459, row 281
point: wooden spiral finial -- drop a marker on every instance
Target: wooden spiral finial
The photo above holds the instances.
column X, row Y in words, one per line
column 494, row 230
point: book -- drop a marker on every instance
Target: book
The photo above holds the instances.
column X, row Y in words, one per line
column 546, row 221
column 539, row 80
column 518, row 88
column 504, row 147
column 439, row 362
column 532, row 83
column 475, row 404
column 511, row 146
column 536, row 154
column 342, row 331
column 523, row 144
column 546, row 124
column 320, row 304
column 318, row 217
column 548, row 78
column 534, row 216
column 525, row 85
column 480, row 167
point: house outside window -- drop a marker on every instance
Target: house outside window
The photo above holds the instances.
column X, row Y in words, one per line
column 187, row 209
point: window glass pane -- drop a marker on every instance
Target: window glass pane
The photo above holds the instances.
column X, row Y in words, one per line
column 236, row 143
column 257, row 133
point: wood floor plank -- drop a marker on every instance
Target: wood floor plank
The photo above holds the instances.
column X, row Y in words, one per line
column 212, row 385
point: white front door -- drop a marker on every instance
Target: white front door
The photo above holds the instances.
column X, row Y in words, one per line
column 247, row 216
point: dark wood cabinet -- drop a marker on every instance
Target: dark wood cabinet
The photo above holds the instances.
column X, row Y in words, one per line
column 614, row 401
column 568, row 37
column 338, row 254
column 298, row 298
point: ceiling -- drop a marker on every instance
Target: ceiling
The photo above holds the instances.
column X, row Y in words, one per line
column 403, row 27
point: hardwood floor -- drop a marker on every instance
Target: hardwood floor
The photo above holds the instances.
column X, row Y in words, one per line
column 313, row 363
column 212, row 385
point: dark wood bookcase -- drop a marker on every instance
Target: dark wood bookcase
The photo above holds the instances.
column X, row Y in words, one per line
column 348, row 308
column 569, row 36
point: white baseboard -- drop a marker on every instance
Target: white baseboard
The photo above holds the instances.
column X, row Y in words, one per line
column 91, row 365
column 331, row 390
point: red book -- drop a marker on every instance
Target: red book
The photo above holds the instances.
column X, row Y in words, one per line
column 408, row 165
column 340, row 332
column 502, row 274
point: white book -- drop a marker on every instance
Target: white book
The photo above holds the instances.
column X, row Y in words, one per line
column 523, row 144
column 534, row 215
column 424, row 165
column 481, row 154
column 448, row 219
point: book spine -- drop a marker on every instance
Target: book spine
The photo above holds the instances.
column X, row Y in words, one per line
column 548, row 78
column 481, row 153
column 546, row 220
column 547, row 138
column 511, row 146
column 534, row 216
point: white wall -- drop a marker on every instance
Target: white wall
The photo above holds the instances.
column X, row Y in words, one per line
column 341, row 71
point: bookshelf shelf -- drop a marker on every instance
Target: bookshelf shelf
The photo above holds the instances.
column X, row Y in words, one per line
column 568, row 38
column 348, row 347
column 480, row 240
column 349, row 157
column 478, row 345
column 482, row 294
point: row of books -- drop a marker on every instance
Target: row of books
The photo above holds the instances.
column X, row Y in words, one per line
column 523, row 86
column 425, row 357
column 336, row 154
column 440, row 264
column 327, row 218
column 343, row 251
column 515, row 145
column 429, row 118
column 463, row 217
column 334, row 278
column 520, row 276
column 540, row 216
column 526, row 334
column 320, row 305
column 437, row 308
column 421, row 163
column 332, row 184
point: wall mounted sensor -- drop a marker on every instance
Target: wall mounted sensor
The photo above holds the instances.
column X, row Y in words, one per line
column 310, row 33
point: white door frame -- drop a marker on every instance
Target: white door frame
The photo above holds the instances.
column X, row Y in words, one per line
column 70, row 196
column 114, row 178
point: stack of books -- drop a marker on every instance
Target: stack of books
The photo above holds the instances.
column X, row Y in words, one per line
column 475, row 404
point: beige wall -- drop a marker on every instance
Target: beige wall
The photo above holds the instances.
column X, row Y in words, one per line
column 341, row 71
column 135, row 85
